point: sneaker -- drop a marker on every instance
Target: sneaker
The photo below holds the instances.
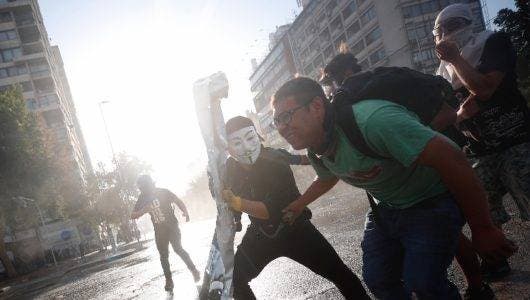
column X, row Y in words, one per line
column 196, row 275
column 169, row 285
column 482, row 293
column 495, row 272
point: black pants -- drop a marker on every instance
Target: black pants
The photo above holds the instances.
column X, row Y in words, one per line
column 165, row 234
column 302, row 243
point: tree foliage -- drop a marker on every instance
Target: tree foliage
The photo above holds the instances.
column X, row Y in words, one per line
column 517, row 25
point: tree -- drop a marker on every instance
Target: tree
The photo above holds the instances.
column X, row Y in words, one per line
column 118, row 191
column 23, row 162
column 517, row 25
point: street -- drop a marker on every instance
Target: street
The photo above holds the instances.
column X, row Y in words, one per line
column 338, row 217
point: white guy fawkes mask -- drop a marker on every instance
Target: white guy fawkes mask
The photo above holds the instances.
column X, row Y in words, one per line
column 244, row 145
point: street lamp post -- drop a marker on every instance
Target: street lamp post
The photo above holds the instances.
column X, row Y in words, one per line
column 109, row 140
column 41, row 217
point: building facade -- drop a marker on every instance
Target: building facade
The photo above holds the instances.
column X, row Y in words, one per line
column 277, row 67
column 27, row 59
column 377, row 32
column 389, row 32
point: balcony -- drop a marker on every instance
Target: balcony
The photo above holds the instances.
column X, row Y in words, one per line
column 29, row 34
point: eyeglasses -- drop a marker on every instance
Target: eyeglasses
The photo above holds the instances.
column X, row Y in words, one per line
column 287, row 116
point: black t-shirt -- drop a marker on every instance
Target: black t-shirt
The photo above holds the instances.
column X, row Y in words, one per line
column 270, row 180
column 161, row 210
column 503, row 120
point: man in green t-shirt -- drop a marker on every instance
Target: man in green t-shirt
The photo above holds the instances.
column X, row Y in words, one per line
column 421, row 187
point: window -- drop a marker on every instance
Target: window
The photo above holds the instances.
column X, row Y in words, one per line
column 48, row 100
column 321, row 20
column 365, row 65
column 324, row 36
column 373, row 36
column 377, row 56
column 353, row 29
column 310, row 30
column 335, row 25
column 10, row 54
column 428, row 7
column 26, row 86
column 31, row 104
column 308, row 69
column 419, row 32
column 17, row 70
column 7, row 35
column 423, row 55
column 3, row 73
column 358, row 47
column 314, row 46
column 368, row 15
column 5, row 17
column 328, row 52
column 341, row 39
column 318, row 62
column 349, row 10
column 331, row 5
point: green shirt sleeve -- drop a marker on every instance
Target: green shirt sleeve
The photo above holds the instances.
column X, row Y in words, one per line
column 393, row 131
column 320, row 169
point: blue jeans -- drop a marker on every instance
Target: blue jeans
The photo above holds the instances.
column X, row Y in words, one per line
column 409, row 250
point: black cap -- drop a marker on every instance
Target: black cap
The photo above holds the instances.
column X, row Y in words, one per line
column 236, row 123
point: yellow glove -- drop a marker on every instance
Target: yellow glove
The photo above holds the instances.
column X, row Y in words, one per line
column 232, row 200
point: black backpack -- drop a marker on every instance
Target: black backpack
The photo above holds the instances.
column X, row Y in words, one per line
column 421, row 93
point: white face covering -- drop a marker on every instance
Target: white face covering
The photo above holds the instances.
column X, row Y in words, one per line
column 244, row 145
column 470, row 44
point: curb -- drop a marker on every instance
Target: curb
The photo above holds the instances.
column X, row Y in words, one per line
column 102, row 261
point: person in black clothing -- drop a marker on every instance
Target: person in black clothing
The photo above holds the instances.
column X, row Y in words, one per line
column 493, row 114
column 158, row 203
column 259, row 182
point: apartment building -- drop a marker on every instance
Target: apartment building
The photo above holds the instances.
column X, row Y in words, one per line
column 28, row 59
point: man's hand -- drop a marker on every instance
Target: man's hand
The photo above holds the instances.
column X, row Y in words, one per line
column 292, row 211
column 185, row 215
column 448, row 51
column 232, row 200
column 468, row 109
column 491, row 244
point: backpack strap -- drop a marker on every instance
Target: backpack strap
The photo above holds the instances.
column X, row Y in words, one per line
column 346, row 120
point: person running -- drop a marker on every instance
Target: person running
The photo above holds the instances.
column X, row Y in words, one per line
column 260, row 183
column 493, row 116
column 157, row 202
column 421, row 185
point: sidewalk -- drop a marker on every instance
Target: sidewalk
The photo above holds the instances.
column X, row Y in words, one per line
column 47, row 276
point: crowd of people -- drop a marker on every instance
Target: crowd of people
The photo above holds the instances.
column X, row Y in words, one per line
column 424, row 179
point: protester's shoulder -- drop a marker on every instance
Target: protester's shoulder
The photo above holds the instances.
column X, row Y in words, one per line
column 497, row 39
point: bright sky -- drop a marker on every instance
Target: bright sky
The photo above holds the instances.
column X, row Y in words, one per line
column 143, row 57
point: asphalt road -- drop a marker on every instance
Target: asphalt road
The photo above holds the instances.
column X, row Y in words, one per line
column 339, row 217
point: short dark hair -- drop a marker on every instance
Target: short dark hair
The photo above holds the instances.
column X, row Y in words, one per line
column 303, row 89
column 339, row 64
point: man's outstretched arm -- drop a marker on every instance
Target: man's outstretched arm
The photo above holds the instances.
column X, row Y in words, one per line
column 458, row 176
column 318, row 188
